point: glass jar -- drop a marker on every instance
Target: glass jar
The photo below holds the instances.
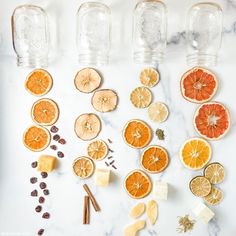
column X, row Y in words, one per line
column 149, row 32
column 30, row 36
column 93, row 33
column 204, row 33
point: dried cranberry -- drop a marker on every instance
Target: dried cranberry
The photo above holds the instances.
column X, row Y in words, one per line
column 46, row 215
column 40, row 232
column 44, row 174
column 60, row 154
column 34, row 193
column 53, row 147
column 54, row 129
column 62, row 141
column 42, row 185
column 34, row 164
column 33, row 180
column 41, row 200
column 56, row 137
column 46, row 192
column 38, row 208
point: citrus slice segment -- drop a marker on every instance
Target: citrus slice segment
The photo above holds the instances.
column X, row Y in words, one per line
column 97, row 150
column 200, row 186
column 104, row 100
column 198, row 85
column 87, row 126
column 195, row 153
column 137, row 134
column 83, row 167
column 154, row 159
column 138, row 184
column 38, row 82
column 212, row 120
column 141, row 97
column 36, row 138
column 87, row 80
column 158, row 112
column 45, row 112
column 215, row 173
column 214, row 197
column 149, row 77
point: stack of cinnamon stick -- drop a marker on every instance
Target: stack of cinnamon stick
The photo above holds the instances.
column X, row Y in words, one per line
column 87, row 199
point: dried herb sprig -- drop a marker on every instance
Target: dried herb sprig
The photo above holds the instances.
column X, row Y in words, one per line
column 185, row 224
column 160, row 134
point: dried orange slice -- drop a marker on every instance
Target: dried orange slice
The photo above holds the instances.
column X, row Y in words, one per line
column 212, row 120
column 154, row 159
column 198, row 85
column 104, row 100
column 214, row 197
column 215, row 173
column 45, row 112
column 87, row 126
column 83, row 167
column 141, row 97
column 87, row 80
column 200, row 186
column 149, row 77
column 38, row 82
column 138, row 184
column 195, row 153
column 158, row 112
column 137, row 134
column 97, row 150
column 36, row 138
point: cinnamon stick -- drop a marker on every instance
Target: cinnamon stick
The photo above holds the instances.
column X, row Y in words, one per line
column 94, row 202
column 85, row 210
column 88, row 210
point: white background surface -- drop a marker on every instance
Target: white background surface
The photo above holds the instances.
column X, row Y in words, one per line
column 17, row 216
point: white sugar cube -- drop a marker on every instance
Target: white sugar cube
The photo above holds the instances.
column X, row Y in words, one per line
column 102, row 177
column 161, row 190
column 203, row 212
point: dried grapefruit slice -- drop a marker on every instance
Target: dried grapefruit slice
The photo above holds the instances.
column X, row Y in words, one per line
column 212, row 120
column 36, row 138
column 97, row 150
column 45, row 112
column 158, row 112
column 214, row 197
column 87, row 126
column 138, row 184
column 200, row 186
column 38, row 82
column 195, row 153
column 83, row 167
column 87, row 80
column 141, row 97
column 215, row 173
column 137, row 134
column 104, row 100
column 198, row 85
column 149, row 77
column 154, row 159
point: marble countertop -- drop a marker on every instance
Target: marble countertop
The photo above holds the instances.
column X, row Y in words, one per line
column 65, row 202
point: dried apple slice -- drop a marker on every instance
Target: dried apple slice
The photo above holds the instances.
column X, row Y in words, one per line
column 87, row 126
column 152, row 211
column 104, row 100
column 132, row 230
column 137, row 210
column 87, row 80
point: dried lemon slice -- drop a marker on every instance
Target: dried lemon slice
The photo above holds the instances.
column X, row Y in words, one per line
column 158, row 112
column 87, row 126
column 200, row 186
column 149, row 77
column 87, row 80
column 141, row 97
column 215, row 196
column 104, row 100
column 97, row 150
column 83, row 167
column 215, row 173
